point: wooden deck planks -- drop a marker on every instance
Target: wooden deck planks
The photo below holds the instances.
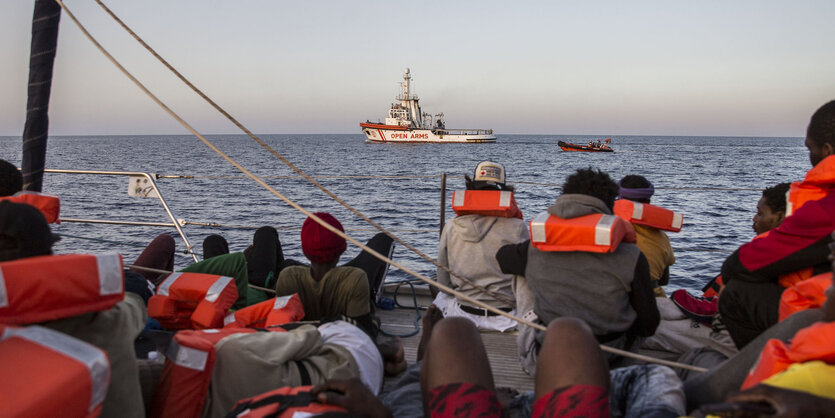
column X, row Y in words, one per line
column 501, row 348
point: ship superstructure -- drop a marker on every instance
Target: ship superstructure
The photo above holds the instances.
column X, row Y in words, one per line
column 406, row 122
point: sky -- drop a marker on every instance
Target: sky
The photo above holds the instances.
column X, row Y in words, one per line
column 706, row 68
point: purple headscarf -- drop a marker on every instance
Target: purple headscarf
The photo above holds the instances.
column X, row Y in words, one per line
column 631, row 194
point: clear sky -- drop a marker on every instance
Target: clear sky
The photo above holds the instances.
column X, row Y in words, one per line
column 714, row 67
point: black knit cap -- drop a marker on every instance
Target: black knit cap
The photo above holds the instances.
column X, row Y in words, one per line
column 23, row 232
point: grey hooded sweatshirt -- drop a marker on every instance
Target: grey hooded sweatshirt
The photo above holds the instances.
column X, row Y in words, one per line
column 468, row 247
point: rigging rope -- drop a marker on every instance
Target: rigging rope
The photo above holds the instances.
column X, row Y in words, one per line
column 281, row 158
column 327, row 225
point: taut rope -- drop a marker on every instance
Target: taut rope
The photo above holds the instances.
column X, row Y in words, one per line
column 281, row 158
column 327, row 225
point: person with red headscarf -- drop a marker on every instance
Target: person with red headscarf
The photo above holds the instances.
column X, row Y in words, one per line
column 327, row 291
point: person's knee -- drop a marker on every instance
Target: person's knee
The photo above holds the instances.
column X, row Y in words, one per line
column 453, row 331
column 569, row 329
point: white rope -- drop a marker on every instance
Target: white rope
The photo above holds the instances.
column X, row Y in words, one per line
column 329, row 226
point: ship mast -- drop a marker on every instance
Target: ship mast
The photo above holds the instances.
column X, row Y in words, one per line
column 410, row 102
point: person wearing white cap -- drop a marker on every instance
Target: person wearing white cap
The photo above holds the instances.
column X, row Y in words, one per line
column 468, row 246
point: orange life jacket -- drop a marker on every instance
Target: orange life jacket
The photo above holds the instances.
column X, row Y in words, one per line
column 47, row 374
column 649, row 215
column 811, row 343
column 807, row 294
column 819, row 182
column 192, row 300
column 275, row 311
column 499, row 203
column 597, row 233
column 187, row 373
column 283, row 403
column 44, row 288
column 49, row 205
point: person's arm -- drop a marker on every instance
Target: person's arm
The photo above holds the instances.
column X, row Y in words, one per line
column 351, row 395
column 787, row 403
column 642, row 300
column 665, row 277
column 443, row 260
column 799, row 242
column 513, row 258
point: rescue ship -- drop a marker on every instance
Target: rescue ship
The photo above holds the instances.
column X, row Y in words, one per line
column 407, row 123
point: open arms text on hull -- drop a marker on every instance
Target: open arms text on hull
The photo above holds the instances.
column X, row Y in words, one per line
column 406, row 123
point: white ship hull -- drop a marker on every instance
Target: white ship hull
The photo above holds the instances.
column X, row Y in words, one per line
column 407, row 123
column 396, row 134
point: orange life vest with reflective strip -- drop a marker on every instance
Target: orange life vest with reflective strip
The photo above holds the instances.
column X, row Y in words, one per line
column 188, row 371
column 49, row 287
column 47, row 374
column 807, row 294
column 810, row 343
column 819, row 182
column 283, row 403
column 49, row 205
column 192, row 300
column 649, row 215
column 275, row 311
column 485, row 202
column 596, row 233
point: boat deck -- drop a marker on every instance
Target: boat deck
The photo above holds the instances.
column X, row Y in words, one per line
column 501, row 347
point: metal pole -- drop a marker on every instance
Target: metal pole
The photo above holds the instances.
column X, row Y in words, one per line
column 150, row 178
column 443, row 202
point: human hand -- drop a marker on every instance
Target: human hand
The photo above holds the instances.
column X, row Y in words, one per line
column 787, row 403
column 351, row 395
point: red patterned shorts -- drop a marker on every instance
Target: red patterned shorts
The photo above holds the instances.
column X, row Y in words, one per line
column 463, row 400
column 573, row 401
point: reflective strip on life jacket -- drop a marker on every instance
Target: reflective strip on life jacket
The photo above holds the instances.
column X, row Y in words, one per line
column 649, row 215
column 499, row 203
column 192, row 300
column 596, row 233
column 808, row 344
column 48, row 373
column 284, row 402
column 49, row 287
column 807, row 294
column 49, row 205
column 277, row 311
column 188, row 370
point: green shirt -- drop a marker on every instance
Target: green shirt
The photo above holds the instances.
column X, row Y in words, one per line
column 343, row 291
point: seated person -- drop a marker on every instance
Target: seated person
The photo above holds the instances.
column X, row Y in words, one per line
column 792, row 372
column 750, row 301
column 11, row 181
column 771, row 208
column 467, row 248
column 24, row 233
column 610, row 291
column 572, row 379
column 653, row 242
column 327, row 291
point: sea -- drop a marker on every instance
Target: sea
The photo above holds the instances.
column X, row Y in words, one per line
column 715, row 182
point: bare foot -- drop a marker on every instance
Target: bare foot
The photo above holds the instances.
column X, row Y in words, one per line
column 432, row 316
column 394, row 358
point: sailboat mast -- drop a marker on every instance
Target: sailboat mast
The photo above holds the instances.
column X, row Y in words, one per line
column 45, row 20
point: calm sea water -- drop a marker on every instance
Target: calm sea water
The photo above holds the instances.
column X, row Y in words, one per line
column 714, row 181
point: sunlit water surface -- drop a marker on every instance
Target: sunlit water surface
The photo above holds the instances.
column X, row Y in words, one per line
column 714, row 181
